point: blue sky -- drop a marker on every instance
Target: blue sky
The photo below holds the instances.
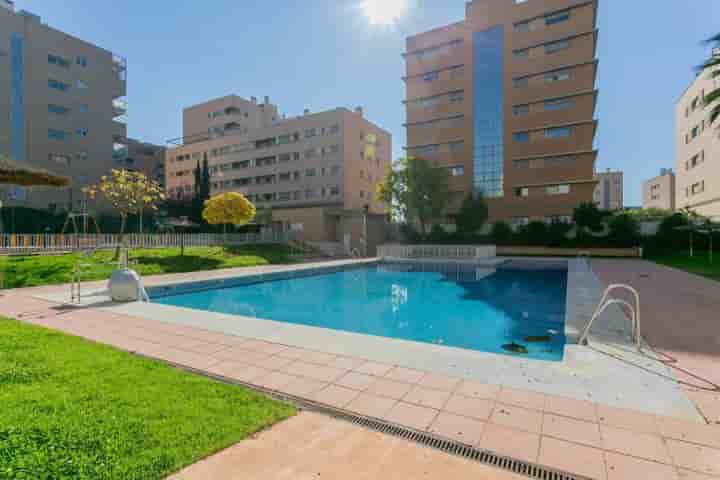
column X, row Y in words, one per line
column 320, row 54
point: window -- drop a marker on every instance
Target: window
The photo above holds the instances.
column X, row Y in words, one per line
column 425, row 150
column 563, row 161
column 84, row 108
column 311, row 193
column 457, row 72
column 265, row 161
column 558, row 132
column 311, row 172
column 556, row 46
column 457, row 146
column 456, row 97
column 59, row 61
column 457, row 122
column 331, row 149
column 57, row 85
column 557, row 189
column 80, row 85
column 57, row 134
column 58, row 109
column 519, row 2
column 82, row 132
column 698, row 187
column 81, row 156
column 312, row 132
column 557, row 76
column 334, row 191
column 522, row 192
column 695, row 131
column 284, row 139
column 519, row 221
column 524, row 53
column 561, row 104
column 284, row 157
column 522, row 26
column 82, row 61
column 521, row 110
column 558, row 17
column 335, row 170
column 311, row 153
column 457, row 171
column 59, row 159
column 522, row 137
column 362, row 193
column 520, row 82
column 283, row 196
column 430, row 77
column 433, row 52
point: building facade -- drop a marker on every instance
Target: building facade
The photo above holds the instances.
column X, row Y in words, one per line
column 697, row 162
column 608, row 193
column 146, row 158
column 659, row 192
column 318, row 172
column 505, row 100
column 62, row 107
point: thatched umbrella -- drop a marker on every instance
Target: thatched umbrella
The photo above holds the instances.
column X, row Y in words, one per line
column 17, row 173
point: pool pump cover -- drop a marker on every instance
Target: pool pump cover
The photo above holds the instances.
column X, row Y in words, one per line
column 125, row 286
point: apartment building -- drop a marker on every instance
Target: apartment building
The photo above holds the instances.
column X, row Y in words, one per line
column 62, row 107
column 659, row 192
column 317, row 172
column 505, row 100
column 608, row 193
column 697, row 172
column 146, row 158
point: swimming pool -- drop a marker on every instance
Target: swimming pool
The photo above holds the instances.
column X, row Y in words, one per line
column 516, row 309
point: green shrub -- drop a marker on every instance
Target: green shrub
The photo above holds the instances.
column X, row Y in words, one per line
column 501, row 234
column 557, row 234
column 624, row 231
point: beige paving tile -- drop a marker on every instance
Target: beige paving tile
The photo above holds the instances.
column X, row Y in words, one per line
column 521, row 398
column 346, row 363
column 573, row 458
column 439, row 382
column 641, row 445
column 690, row 432
column 628, row 419
column 455, row 427
column 517, row 417
column 622, row 467
column 203, row 347
column 572, row 430
column 412, row 416
column 356, row 381
column 371, row 405
column 304, row 387
column 695, row 457
column 406, row 375
column 319, row 358
column 275, row 380
column 389, row 388
column 374, row 368
column 690, row 475
column 238, row 371
column 335, row 396
column 272, row 362
column 469, row 388
column 477, row 408
column 314, row 371
column 510, row 442
column 292, row 353
column 569, row 407
column 239, row 354
column 426, row 397
column 707, row 403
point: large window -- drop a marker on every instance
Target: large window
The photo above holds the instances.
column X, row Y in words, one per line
column 59, row 61
column 557, row 76
column 58, row 85
column 556, row 46
column 488, row 78
column 558, row 17
column 558, row 132
column 561, row 104
column 57, row 134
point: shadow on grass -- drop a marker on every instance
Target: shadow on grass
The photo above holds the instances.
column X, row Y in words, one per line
column 176, row 264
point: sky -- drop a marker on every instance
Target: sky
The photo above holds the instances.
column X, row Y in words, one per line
column 322, row 54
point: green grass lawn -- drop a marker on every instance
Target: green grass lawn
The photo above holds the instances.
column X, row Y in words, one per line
column 72, row 409
column 699, row 264
column 31, row 271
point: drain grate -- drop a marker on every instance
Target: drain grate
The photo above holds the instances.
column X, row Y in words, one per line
column 451, row 447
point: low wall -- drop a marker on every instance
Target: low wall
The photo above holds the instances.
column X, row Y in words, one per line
column 570, row 252
column 437, row 251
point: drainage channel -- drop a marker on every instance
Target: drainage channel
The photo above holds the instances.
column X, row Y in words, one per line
column 452, row 447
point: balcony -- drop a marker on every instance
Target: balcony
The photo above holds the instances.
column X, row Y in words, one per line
column 120, row 108
column 119, row 65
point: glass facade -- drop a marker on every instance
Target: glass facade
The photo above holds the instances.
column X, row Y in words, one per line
column 488, row 108
column 17, row 100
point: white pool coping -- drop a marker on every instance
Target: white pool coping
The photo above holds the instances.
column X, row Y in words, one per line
column 608, row 371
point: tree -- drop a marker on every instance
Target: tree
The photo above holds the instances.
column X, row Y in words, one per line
column 473, row 215
column 712, row 99
column 228, row 208
column 588, row 216
column 415, row 190
column 501, row 233
column 201, row 189
column 624, row 231
column 129, row 193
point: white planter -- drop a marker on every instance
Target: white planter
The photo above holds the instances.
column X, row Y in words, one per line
column 125, row 286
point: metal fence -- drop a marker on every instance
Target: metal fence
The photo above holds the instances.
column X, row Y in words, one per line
column 23, row 244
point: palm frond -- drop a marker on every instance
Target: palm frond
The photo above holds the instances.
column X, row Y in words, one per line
column 713, row 62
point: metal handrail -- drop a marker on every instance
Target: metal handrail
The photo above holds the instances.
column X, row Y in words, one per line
column 606, row 302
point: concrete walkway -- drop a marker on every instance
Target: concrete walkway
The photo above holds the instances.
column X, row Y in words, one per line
column 681, row 320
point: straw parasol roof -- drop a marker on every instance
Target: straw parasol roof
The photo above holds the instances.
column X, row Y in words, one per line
column 17, row 173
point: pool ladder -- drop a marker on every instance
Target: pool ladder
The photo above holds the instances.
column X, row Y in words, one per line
column 607, row 301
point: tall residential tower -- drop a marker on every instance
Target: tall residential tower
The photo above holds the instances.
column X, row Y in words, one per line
column 505, row 100
column 61, row 106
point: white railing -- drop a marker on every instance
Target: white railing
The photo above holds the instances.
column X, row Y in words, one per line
column 37, row 244
column 437, row 251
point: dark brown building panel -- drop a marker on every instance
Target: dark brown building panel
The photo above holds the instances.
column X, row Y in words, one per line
column 506, row 100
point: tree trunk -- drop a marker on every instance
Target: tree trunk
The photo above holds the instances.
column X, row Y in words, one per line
column 121, row 238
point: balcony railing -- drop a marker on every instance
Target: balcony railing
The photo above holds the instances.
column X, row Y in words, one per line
column 120, row 107
column 120, row 67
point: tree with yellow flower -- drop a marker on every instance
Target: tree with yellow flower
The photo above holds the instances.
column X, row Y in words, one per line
column 130, row 193
column 228, row 208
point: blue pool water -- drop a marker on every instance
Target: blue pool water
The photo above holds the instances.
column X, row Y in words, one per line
column 462, row 307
